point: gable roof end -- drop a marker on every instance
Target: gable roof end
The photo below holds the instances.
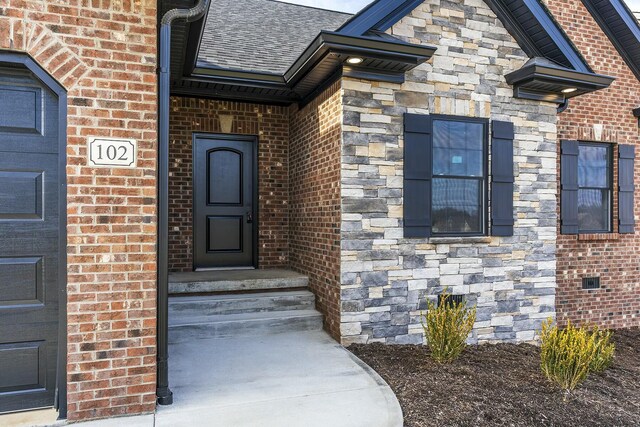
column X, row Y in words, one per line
column 528, row 21
column 622, row 28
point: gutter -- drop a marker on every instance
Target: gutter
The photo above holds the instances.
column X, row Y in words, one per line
column 163, row 393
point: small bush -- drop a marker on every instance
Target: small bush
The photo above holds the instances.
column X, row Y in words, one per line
column 446, row 327
column 569, row 355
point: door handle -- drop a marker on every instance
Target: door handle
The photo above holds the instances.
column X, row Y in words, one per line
column 249, row 218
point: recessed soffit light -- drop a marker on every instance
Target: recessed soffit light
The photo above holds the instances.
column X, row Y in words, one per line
column 354, row 60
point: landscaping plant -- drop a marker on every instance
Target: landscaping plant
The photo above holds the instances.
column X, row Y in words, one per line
column 568, row 355
column 446, row 327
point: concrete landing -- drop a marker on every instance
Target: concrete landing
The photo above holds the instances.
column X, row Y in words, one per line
column 235, row 280
column 287, row 379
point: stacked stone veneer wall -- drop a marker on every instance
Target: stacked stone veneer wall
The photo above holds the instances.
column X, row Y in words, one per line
column 104, row 54
column 271, row 125
column 314, row 157
column 385, row 277
column 603, row 116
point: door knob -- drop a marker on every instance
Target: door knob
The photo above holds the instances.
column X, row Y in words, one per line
column 249, row 218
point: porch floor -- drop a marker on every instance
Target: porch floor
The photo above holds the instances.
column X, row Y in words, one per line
column 287, row 379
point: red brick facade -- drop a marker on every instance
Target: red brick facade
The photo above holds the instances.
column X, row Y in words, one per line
column 271, row 125
column 604, row 116
column 104, row 53
column 315, row 203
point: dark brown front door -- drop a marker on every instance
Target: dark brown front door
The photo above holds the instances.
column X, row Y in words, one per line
column 224, row 223
column 30, row 233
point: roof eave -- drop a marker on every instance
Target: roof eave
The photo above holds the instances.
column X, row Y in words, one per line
column 543, row 83
column 383, row 60
column 367, row 47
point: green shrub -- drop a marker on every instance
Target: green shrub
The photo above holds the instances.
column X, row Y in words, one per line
column 604, row 350
column 569, row 355
column 446, row 327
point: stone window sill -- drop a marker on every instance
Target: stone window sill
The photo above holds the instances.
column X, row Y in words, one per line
column 598, row 236
column 461, row 239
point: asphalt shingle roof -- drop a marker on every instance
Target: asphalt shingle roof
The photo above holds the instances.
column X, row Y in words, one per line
column 261, row 35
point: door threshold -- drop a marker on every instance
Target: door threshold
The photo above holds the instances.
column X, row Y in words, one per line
column 224, row 268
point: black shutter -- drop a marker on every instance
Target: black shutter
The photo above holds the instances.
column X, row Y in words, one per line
column 569, row 187
column 626, row 222
column 502, row 178
column 417, row 175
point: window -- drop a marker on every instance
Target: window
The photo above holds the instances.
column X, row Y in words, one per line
column 594, row 188
column 459, row 156
column 445, row 183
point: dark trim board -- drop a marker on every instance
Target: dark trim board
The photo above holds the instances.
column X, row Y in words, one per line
column 22, row 60
column 256, row 190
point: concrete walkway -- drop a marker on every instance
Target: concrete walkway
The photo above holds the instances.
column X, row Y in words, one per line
column 289, row 379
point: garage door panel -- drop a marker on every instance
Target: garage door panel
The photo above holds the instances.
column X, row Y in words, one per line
column 21, row 195
column 28, row 360
column 28, row 182
column 24, row 281
column 26, row 126
column 30, row 230
column 26, row 114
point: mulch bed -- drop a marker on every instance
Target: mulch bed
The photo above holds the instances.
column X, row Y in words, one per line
column 502, row 385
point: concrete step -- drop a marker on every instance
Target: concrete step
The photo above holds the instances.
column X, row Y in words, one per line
column 206, row 305
column 235, row 280
column 188, row 328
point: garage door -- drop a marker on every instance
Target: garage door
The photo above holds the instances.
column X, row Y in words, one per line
column 30, row 232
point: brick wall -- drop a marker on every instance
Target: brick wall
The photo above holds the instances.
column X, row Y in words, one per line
column 604, row 116
column 271, row 125
column 104, row 54
column 315, row 199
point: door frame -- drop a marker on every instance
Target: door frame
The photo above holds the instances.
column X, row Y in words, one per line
column 255, row 197
column 21, row 60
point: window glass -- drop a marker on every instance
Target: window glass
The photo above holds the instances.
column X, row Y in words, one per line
column 457, row 204
column 457, row 148
column 593, row 210
column 594, row 188
column 593, row 166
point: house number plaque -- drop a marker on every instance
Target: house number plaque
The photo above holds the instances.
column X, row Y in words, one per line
column 113, row 152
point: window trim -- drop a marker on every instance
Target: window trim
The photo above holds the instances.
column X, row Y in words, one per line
column 611, row 188
column 484, row 211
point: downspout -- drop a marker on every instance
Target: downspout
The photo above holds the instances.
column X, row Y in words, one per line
column 563, row 106
column 163, row 393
